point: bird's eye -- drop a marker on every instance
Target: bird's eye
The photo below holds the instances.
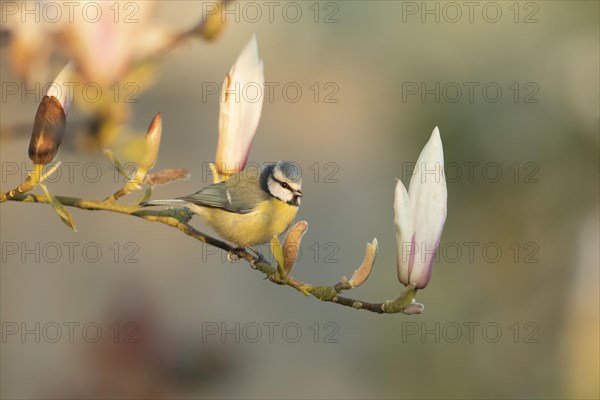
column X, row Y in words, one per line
column 285, row 185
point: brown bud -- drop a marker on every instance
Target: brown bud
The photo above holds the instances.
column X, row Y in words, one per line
column 362, row 273
column 152, row 143
column 48, row 131
column 291, row 245
column 166, row 175
column 414, row 308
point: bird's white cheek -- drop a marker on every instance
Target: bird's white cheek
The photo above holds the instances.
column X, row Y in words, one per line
column 276, row 190
column 284, row 195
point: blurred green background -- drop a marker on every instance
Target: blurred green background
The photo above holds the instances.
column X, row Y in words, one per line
column 523, row 323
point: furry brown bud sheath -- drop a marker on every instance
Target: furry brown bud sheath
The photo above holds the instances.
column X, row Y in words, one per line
column 48, row 131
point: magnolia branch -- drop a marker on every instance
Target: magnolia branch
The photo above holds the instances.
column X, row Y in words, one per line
column 179, row 218
column 238, row 121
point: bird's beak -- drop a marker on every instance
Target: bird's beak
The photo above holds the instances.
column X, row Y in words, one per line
column 298, row 193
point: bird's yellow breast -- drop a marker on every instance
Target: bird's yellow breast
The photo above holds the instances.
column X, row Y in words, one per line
column 269, row 218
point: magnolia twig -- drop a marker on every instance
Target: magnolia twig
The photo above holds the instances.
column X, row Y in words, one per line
column 179, row 218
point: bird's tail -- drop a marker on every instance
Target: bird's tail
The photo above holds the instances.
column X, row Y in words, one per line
column 170, row 203
column 176, row 203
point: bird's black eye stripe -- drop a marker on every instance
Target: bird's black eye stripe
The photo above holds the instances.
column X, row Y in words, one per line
column 283, row 184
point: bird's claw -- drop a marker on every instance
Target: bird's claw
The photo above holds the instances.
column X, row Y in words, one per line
column 231, row 256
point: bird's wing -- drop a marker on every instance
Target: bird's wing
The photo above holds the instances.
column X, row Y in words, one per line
column 240, row 197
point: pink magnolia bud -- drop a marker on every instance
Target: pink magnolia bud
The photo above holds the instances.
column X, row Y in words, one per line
column 106, row 48
column 420, row 214
column 241, row 105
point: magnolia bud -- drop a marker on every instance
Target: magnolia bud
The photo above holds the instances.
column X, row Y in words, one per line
column 213, row 20
column 48, row 131
column 152, row 143
column 291, row 245
column 420, row 214
column 240, row 112
column 361, row 275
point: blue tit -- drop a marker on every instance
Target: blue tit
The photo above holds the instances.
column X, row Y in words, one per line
column 251, row 206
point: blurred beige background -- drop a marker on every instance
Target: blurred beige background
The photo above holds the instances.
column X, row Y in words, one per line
column 520, row 324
